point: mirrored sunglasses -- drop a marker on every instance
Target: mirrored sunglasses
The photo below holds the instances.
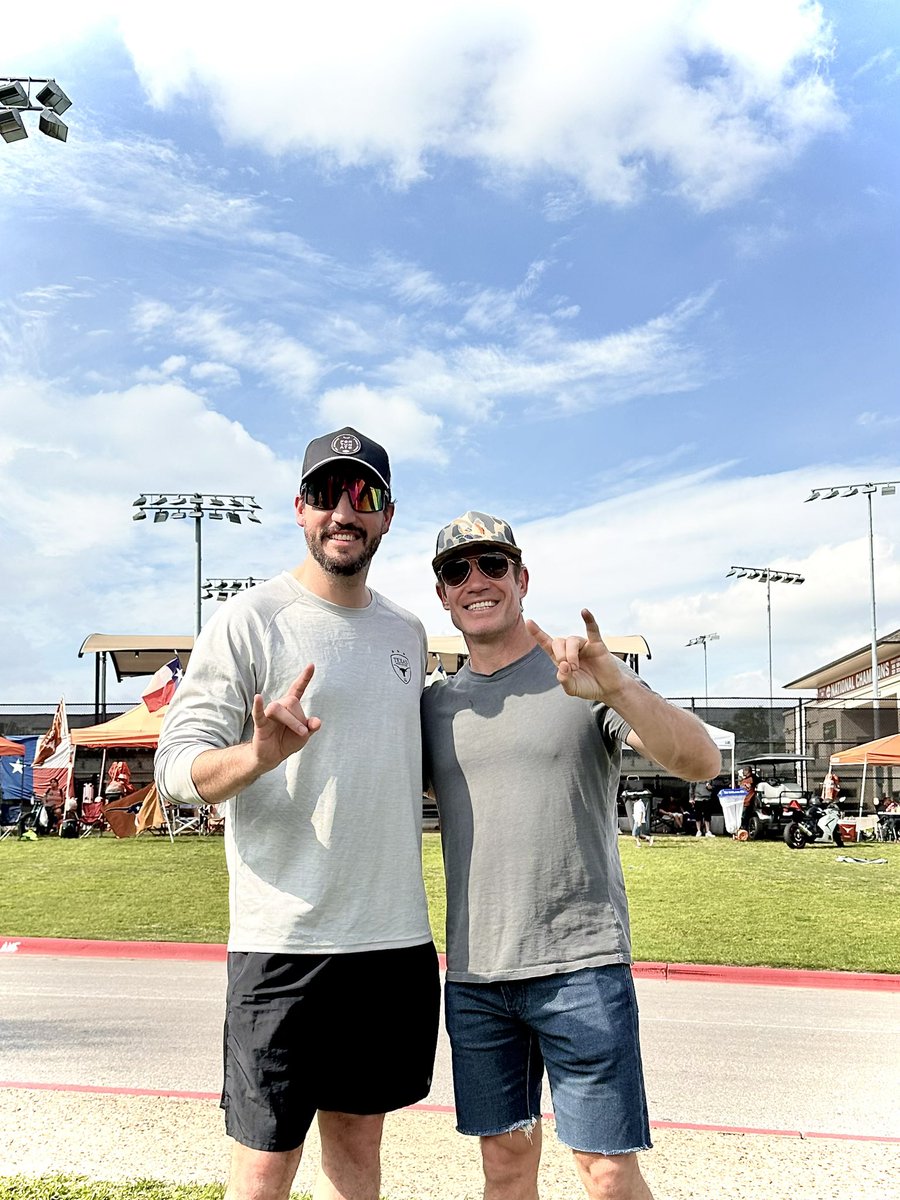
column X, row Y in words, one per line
column 325, row 491
column 456, row 571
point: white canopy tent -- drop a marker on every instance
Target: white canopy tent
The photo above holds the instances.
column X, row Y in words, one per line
column 724, row 740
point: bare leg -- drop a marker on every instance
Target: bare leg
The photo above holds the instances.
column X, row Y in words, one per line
column 612, row 1176
column 351, row 1157
column 511, row 1163
column 261, row 1174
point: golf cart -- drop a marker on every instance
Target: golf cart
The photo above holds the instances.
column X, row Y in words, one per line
column 776, row 791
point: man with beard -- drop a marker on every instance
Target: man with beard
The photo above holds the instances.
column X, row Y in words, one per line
column 333, row 990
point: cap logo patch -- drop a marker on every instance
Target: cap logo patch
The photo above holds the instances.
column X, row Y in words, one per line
column 401, row 666
column 346, row 443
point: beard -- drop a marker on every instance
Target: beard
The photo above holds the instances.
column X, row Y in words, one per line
column 342, row 567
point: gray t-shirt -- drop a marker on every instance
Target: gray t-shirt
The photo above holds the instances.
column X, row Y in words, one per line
column 526, row 779
column 324, row 852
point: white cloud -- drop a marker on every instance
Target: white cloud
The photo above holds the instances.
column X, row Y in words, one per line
column 541, row 365
column 884, row 58
column 395, row 420
column 215, row 374
column 708, row 97
column 409, row 282
column 262, row 346
column 72, row 465
column 877, row 420
column 571, row 375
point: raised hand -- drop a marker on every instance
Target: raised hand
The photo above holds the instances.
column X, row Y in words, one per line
column 584, row 666
column 281, row 728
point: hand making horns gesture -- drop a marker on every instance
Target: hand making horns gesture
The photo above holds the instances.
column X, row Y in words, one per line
column 585, row 667
column 281, row 728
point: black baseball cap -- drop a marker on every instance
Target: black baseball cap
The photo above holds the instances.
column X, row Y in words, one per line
column 347, row 445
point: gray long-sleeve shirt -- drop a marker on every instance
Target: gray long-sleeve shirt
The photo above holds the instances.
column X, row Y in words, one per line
column 324, row 852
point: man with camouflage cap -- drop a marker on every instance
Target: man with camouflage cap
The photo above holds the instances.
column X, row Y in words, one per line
column 523, row 749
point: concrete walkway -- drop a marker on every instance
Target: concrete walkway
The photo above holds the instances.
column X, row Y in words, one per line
column 127, row 1137
column 74, row 1127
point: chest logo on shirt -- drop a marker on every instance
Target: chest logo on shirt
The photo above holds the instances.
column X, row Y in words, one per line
column 401, row 666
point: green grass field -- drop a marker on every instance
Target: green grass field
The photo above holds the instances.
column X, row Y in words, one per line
column 692, row 900
column 70, row 1187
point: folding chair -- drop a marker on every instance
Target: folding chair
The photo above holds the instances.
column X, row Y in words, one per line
column 92, row 819
column 9, row 819
column 185, row 818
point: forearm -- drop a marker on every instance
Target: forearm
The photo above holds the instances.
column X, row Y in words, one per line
column 220, row 774
column 670, row 736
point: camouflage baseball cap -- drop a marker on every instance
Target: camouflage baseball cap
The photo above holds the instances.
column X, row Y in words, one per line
column 473, row 529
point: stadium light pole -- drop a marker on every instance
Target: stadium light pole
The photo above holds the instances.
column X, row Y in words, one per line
column 701, row 640
column 16, row 99
column 768, row 576
column 224, row 589
column 844, row 491
column 218, row 506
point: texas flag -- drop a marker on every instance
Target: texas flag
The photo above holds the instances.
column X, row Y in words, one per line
column 21, row 778
column 16, row 778
column 161, row 688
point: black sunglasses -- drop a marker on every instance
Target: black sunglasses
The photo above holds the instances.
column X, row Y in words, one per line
column 456, row 571
column 324, row 491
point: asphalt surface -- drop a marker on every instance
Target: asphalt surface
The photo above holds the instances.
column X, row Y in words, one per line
column 739, row 1057
column 820, row 1067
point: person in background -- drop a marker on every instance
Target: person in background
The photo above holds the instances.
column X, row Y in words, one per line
column 523, row 747
column 673, row 812
column 333, row 988
column 640, row 823
column 748, row 781
column 831, row 787
column 705, row 795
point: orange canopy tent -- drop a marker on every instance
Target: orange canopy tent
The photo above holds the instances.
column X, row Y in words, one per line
column 884, row 752
column 13, row 749
column 137, row 728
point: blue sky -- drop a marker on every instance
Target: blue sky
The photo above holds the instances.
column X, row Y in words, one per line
column 629, row 280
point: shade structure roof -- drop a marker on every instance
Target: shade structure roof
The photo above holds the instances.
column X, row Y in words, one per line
column 622, row 646
column 882, row 752
column 134, row 655
column 11, row 749
column 136, row 728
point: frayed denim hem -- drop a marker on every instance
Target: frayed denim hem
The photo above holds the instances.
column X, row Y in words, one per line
column 527, row 1126
column 610, row 1153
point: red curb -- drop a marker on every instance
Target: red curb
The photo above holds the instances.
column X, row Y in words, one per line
column 784, row 977
column 650, row 970
column 681, row 972
column 189, row 951
column 445, row 1110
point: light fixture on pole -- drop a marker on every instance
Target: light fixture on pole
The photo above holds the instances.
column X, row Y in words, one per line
column 224, row 589
column 15, row 99
column 768, row 576
column 701, row 640
column 844, row 491
column 196, row 505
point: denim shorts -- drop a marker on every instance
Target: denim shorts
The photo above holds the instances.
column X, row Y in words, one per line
column 581, row 1026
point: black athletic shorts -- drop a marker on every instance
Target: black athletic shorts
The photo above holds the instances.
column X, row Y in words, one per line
column 352, row 1033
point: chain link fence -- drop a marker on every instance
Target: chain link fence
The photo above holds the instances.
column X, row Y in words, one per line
column 761, row 726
